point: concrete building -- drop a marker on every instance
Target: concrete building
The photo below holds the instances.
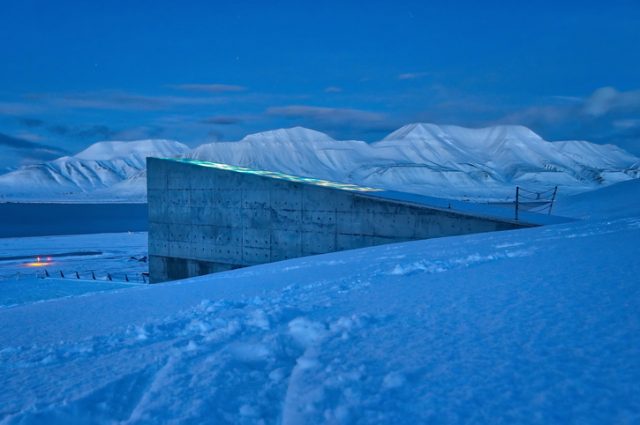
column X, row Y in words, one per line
column 207, row 217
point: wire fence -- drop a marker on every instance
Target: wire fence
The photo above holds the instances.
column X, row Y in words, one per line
column 540, row 202
column 140, row 277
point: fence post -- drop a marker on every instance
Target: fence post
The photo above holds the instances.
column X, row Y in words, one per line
column 553, row 198
column 517, row 200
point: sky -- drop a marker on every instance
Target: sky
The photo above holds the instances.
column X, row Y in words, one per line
column 77, row 72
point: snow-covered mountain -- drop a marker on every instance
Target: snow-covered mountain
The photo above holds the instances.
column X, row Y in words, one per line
column 445, row 161
column 92, row 174
column 297, row 151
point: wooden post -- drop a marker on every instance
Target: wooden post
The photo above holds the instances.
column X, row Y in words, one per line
column 553, row 198
column 517, row 200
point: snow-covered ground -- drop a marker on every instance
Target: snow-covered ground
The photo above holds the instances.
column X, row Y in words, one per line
column 100, row 254
column 540, row 325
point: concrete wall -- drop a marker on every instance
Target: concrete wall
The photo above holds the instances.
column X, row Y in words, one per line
column 203, row 220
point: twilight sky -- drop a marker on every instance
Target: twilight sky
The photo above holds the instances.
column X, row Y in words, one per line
column 76, row 72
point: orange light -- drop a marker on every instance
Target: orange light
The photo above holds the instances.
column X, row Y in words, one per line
column 38, row 262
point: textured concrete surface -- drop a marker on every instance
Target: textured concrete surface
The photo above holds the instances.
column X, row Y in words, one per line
column 204, row 220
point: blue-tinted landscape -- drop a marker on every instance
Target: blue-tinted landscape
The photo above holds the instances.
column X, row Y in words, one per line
column 291, row 212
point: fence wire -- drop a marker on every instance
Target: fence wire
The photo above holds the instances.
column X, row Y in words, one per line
column 534, row 201
column 140, row 277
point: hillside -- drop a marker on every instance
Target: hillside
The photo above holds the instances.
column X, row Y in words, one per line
column 89, row 174
column 443, row 161
column 529, row 326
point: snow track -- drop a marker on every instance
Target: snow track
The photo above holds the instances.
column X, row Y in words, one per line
column 539, row 325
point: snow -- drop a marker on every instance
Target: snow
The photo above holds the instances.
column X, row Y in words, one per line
column 434, row 160
column 288, row 135
column 444, row 161
column 89, row 175
column 101, row 254
column 441, row 161
column 540, row 325
column 138, row 149
column 28, row 290
column 615, row 201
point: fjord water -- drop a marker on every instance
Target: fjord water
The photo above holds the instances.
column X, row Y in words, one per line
column 41, row 219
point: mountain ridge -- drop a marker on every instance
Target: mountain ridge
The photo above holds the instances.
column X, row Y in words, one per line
column 436, row 160
column 99, row 167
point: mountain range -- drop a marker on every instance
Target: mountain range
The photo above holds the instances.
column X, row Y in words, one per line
column 436, row 160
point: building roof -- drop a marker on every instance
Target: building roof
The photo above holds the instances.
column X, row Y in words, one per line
column 277, row 175
column 490, row 211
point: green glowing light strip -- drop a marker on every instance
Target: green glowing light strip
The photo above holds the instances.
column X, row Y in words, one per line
column 276, row 175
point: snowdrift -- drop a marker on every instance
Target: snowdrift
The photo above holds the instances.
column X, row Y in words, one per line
column 538, row 325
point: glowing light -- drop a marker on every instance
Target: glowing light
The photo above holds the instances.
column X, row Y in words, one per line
column 39, row 262
column 277, row 175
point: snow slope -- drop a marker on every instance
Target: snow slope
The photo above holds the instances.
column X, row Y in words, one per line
column 618, row 200
column 89, row 174
column 442, row 161
column 540, row 325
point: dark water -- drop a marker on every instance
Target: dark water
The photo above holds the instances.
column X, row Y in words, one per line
column 69, row 219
